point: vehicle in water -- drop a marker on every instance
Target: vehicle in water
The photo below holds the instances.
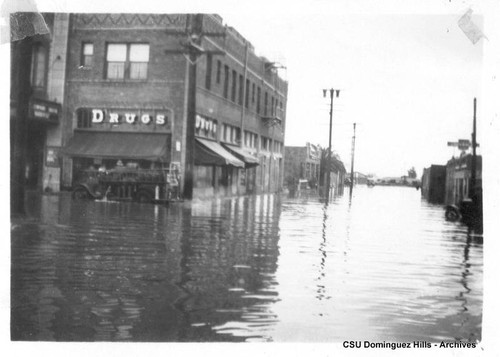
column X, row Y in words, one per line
column 128, row 184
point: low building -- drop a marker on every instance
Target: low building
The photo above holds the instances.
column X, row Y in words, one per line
column 360, row 178
column 458, row 179
column 302, row 163
column 434, row 183
column 336, row 169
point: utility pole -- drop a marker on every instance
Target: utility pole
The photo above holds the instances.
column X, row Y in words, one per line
column 352, row 159
column 193, row 48
column 472, row 188
column 329, row 154
column 473, row 161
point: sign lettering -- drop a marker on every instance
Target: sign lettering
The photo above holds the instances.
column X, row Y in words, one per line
column 97, row 116
column 130, row 118
column 44, row 110
column 160, row 119
column 123, row 116
column 113, row 118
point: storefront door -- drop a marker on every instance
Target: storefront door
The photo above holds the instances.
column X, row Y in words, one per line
column 34, row 155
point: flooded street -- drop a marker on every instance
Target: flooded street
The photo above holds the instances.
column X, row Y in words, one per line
column 384, row 265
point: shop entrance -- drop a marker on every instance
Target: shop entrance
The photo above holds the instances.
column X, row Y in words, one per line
column 35, row 146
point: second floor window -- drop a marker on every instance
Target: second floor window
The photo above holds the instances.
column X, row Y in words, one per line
column 127, row 61
column 219, row 66
column 240, row 90
column 265, row 103
column 233, row 86
column 226, row 81
column 87, row 54
column 208, row 78
column 39, row 66
column 258, row 100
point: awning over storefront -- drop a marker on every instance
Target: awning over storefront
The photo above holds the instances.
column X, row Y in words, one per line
column 211, row 153
column 249, row 160
column 145, row 146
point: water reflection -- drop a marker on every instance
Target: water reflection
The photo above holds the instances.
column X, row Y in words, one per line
column 380, row 265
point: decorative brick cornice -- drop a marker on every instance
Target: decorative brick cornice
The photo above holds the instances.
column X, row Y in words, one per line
column 130, row 21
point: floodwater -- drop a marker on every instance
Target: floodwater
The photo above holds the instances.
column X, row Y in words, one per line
column 382, row 266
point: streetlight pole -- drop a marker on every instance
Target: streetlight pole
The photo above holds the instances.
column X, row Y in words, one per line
column 352, row 159
column 329, row 154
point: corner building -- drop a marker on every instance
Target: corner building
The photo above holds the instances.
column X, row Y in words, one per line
column 173, row 90
column 38, row 53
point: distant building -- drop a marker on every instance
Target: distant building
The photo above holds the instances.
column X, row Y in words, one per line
column 360, row 179
column 302, row 163
column 337, row 172
column 434, row 183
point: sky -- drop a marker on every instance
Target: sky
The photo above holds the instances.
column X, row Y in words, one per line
column 407, row 73
column 406, row 80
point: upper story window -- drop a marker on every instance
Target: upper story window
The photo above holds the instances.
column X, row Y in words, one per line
column 247, row 92
column 240, row 90
column 127, row 61
column 226, row 81
column 233, row 86
column 219, row 67
column 87, row 54
column 39, row 66
column 253, row 93
column 265, row 103
column 258, row 100
column 208, row 78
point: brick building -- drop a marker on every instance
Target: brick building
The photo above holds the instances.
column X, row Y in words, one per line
column 38, row 53
column 302, row 163
column 173, row 89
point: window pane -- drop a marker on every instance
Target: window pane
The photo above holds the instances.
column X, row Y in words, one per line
column 116, row 70
column 138, row 70
column 39, row 66
column 117, row 52
column 88, row 49
column 139, row 53
column 87, row 61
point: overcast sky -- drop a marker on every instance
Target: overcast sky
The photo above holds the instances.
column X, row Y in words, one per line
column 407, row 80
column 406, row 71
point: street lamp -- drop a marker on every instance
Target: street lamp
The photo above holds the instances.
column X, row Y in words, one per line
column 332, row 92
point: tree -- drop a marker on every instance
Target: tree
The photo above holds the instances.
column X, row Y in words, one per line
column 412, row 173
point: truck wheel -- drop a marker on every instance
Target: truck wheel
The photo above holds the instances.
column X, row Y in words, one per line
column 144, row 196
column 452, row 214
column 80, row 193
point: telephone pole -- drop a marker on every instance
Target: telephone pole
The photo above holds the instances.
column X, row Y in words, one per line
column 473, row 160
column 352, row 159
column 329, row 154
column 193, row 49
